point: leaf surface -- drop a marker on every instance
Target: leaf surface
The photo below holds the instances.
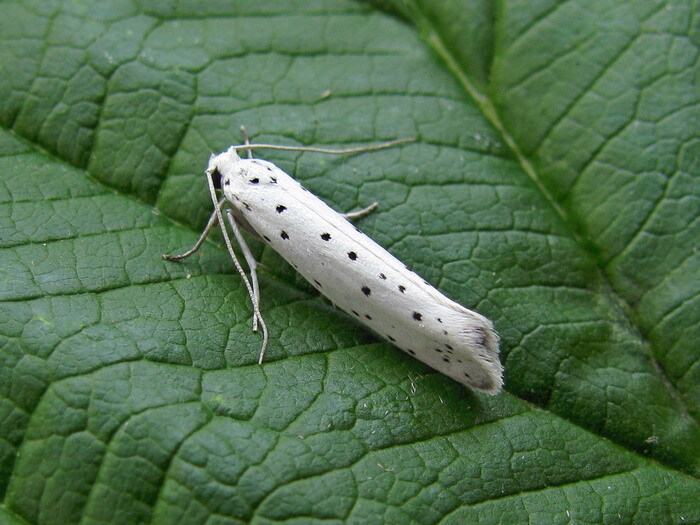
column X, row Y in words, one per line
column 552, row 187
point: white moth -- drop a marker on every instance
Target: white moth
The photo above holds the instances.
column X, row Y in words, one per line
column 346, row 266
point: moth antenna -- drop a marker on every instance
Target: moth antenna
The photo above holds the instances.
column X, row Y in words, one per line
column 331, row 151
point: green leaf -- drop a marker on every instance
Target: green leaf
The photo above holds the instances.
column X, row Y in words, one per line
column 552, row 187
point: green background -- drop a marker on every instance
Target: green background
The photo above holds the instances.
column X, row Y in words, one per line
column 553, row 187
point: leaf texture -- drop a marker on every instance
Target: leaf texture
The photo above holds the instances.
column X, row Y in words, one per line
column 553, row 187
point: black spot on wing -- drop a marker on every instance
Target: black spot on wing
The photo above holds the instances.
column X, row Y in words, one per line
column 326, row 236
column 482, row 337
column 284, row 235
column 366, row 291
column 352, row 256
column 280, row 208
column 417, row 316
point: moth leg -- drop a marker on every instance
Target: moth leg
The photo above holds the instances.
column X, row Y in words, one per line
column 246, row 141
column 213, row 221
column 239, row 268
column 252, row 265
column 249, row 258
column 361, row 213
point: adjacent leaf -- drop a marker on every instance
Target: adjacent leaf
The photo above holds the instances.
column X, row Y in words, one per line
column 553, row 187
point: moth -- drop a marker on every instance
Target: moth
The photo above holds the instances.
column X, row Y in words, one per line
column 345, row 265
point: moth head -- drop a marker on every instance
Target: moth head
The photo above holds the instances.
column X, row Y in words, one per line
column 222, row 165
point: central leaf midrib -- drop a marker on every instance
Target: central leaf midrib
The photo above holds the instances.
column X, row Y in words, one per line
column 432, row 36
